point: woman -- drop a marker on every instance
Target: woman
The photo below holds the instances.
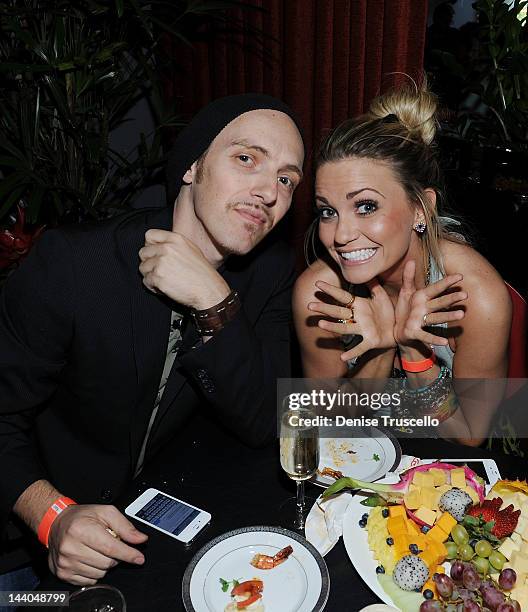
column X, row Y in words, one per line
column 411, row 295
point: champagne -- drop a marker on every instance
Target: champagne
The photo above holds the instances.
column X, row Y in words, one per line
column 299, row 446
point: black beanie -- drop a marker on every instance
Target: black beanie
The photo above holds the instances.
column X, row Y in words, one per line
column 196, row 137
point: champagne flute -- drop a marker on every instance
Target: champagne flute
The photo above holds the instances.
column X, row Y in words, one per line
column 299, row 453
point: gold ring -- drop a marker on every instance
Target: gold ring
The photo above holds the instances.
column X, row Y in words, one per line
column 424, row 320
column 350, row 302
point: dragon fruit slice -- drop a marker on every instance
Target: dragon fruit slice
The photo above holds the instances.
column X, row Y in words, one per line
column 456, row 502
column 395, row 492
column 410, row 573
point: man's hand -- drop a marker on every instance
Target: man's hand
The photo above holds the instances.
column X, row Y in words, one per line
column 81, row 550
column 175, row 266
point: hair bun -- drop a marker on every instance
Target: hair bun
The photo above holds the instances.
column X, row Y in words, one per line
column 414, row 107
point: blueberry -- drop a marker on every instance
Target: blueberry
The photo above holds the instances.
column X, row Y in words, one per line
column 472, row 542
column 425, row 529
column 362, row 523
column 364, row 517
column 414, row 549
column 385, row 512
column 428, row 594
column 389, row 541
column 380, row 569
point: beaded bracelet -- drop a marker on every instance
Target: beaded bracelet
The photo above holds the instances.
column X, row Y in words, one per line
column 211, row 320
column 427, row 400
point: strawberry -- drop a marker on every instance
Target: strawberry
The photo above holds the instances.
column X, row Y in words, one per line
column 488, row 509
column 504, row 521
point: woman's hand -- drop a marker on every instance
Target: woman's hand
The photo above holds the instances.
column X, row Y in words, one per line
column 373, row 318
column 418, row 308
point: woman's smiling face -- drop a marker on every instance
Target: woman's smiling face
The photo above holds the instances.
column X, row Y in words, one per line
column 365, row 217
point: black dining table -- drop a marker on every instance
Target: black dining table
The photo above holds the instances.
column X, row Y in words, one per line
column 240, row 487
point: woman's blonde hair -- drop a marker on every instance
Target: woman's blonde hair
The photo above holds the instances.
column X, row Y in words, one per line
column 398, row 129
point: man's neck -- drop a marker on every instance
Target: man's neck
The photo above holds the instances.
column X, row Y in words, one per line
column 185, row 222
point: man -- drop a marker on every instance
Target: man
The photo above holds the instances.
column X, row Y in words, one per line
column 102, row 363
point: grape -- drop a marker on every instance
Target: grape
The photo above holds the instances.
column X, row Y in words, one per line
column 516, row 605
column 457, row 569
column 465, row 552
column 470, row 578
column 431, row 605
column 505, row 606
column 471, row 606
column 481, row 564
column 459, row 534
column 507, row 579
column 444, row 585
column 492, row 598
column 497, row 559
column 451, row 550
column 483, row 548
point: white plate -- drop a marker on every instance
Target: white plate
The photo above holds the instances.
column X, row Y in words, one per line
column 300, row 584
column 355, row 539
column 367, row 458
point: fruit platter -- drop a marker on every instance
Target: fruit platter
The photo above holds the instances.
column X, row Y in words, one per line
column 434, row 541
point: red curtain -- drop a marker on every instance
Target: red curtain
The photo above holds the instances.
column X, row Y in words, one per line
column 326, row 58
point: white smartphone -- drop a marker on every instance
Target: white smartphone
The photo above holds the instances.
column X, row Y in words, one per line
column 168, row 514
column 485, row 468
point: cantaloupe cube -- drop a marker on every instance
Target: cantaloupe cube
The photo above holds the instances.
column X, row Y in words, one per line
column 429, row 557
column 413, row 528
column 397, row 510
column 458, row 478
column 437, row 533
column 439, row 476
column 440, row 549
column 446, row 522
column 426, row 515
column 396, row 525
column 440, row 569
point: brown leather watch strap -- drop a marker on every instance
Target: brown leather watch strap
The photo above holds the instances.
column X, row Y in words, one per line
column 211, row 320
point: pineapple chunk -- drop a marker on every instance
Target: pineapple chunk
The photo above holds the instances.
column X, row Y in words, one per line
column 427, row 479
column 413, row 499
column 427, row 497
column 426, row 515
column 458, row 478
column 472, row 493
column 439, row 476
column 418, row 478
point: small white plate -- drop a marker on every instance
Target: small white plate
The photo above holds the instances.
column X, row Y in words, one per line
column 300, row 584
column 367, row 458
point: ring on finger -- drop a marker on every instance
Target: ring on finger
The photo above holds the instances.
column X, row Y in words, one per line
column 350, row 302
column 425, row 320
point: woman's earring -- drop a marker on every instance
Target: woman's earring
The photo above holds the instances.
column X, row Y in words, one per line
column 420, row 227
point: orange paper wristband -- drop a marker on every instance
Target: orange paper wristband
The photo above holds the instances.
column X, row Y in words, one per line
column 52, row 513
column 419, row 366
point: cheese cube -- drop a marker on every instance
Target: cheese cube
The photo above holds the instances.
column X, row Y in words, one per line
column 520, row 562
column 439, row 476
column 458, row 478
column 517, row 538
column 507, row 548
column 426, row 515
column 522, row 523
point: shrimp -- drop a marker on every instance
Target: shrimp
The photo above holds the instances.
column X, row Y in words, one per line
column 330, row 472
column 266, row 562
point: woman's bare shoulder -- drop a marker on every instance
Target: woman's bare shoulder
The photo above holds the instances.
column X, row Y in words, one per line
column 483, row 283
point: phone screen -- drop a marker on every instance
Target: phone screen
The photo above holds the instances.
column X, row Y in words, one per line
column 167, row 513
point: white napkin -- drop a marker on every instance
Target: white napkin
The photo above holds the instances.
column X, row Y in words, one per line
column 324, row 523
